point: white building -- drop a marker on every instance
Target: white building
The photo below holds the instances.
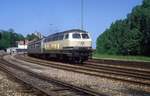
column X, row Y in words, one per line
column 11, row 50
column 22, row 44
column 38, row 34
column 21, row 47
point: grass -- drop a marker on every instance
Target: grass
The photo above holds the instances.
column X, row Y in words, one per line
column 120, row 57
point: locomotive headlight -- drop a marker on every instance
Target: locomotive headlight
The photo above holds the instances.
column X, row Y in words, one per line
column 82, row 43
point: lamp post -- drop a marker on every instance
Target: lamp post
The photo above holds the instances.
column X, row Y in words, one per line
column 82, row 14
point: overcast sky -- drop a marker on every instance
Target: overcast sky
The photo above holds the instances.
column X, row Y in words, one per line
column 48, row 16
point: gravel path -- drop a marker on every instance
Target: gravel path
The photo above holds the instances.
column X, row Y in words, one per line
column 103, row 85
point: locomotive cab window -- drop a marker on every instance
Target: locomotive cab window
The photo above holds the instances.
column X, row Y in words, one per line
column 66, row 36
column 76, row 36
column 85, row 36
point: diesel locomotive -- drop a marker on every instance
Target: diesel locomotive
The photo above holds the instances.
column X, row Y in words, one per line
column 73, row 45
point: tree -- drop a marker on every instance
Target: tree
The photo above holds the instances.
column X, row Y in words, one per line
column 130, row 36
column 32, row 37
column 9, row 38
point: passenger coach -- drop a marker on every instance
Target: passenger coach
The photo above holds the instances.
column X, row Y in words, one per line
column 75, row 45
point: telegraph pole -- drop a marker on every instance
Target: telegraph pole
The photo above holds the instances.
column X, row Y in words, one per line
column 82, row 14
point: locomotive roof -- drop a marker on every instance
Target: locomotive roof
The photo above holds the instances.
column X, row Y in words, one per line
column 59, row 33
column 74, row 30
column 69, row 31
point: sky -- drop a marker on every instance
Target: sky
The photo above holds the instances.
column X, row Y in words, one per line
column 50, row 16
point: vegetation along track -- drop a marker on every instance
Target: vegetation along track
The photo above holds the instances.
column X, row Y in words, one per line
column 127, row 74
column 49, row 86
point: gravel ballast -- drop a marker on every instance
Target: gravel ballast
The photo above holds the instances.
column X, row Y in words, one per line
column 9, row 86
column 103, row 85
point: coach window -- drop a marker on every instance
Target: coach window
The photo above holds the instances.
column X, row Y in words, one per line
column 37, row 45
column 76, row 35
column 50, row 39
column 53, row 38
column 60, row 37
column 85, row 36
column 66, row 36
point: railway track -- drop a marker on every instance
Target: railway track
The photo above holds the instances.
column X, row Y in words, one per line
column 137, row 64
column 122, row 69
column 127, row 74
column 49, row 86
column 15, row 86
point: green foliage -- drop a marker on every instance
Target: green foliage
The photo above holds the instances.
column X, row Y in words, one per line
column 130, row 36
column 121, row 57
column 9, row 38
column 32, row 37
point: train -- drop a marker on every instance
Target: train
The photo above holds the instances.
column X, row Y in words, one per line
column 71, row 45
